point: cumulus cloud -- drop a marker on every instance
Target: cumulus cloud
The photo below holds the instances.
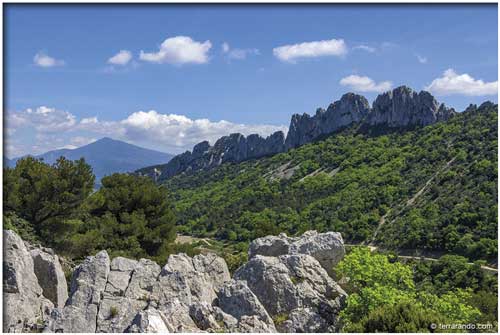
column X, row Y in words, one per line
column 179, row 132
column 365, row 84
column 43, row 60
column 179, row 50
column 451, row 83
column 290, row 53
column 121, row 58
column 172, row 133
column 43, row 119
column 365, row 48
column 421, row 59
column 238, row 54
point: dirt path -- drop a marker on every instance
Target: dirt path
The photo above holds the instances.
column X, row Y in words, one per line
column 410, row 201
column 422, row 258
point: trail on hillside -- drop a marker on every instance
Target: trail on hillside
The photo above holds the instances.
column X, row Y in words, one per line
column 421, row 258
column 410, row 201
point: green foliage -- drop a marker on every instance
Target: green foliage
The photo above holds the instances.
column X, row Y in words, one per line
column 52, row 204
column 234, row 261
column 350, row 180
column 365, row 269
column 133, row 217
column 46, row 195
column 113, row 312
column 382, row 292
column 402, row 317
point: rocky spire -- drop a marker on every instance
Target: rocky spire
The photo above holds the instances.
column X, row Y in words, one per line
column 398, row 108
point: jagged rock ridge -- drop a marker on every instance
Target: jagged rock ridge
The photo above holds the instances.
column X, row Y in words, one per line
column 401, row 107
column 278, row 289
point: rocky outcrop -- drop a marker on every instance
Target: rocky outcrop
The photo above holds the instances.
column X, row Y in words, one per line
column 351, row 108
column 404, row 107
column 234, row 148
column 50, row 276
column 88, row 284
column 25, row 309
column 287, row 283
column 399, row 108
column 327, row 248
column 288, row 290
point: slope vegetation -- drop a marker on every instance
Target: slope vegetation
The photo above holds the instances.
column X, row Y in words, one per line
column 430, row 188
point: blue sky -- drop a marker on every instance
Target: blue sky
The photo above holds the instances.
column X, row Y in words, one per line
column 62, row 89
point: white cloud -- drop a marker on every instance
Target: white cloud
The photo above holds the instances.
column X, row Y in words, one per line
column 43, row 119
column 365, row 84
column 43, row 60
column 179, row 50
column 365, row 48
column 121, row 58
column 421, row 59
column 179, row 132
column 238, row 54
column 453, row 83
column 172, row 133
column 290, row 53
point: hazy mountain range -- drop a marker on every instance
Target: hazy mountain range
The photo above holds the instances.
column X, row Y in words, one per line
column 106, row 156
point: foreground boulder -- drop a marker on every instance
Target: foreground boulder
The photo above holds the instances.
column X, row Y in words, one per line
column 288, row 283
column 290, row 292
column 25, row 309
column 327, row 248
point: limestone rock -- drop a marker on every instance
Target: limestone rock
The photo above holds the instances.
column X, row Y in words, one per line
column 304, row 320
column 50, row 276
column 128, row 291
column 327, row 248
column 269, row 246
column 87, row 287
column 238, row 300
column 285, row 283
column 149, row 321
column 404, row 107
column 204, row 274
column 25, row 308
column 351, row 108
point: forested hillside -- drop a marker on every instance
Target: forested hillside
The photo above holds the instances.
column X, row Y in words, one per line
column 431, row 188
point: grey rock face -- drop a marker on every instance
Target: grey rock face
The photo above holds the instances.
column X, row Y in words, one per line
column 304, row 320
column 349, row 109
column 87, row 287
column 269, row 246
column 25, row 308
column 404, row 107
column 204, row 274
column 401, row 107
column 149, row 321
column 186, row 295
column 238, row 300
column 283, row 284
column 234, row 148
column 327, row 248
column 50, row 276
column 120, row 301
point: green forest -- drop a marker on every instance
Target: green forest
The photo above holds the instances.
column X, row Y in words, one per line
column 433, row 189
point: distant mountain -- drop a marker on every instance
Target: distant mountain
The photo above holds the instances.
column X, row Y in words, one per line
column 106, row 156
